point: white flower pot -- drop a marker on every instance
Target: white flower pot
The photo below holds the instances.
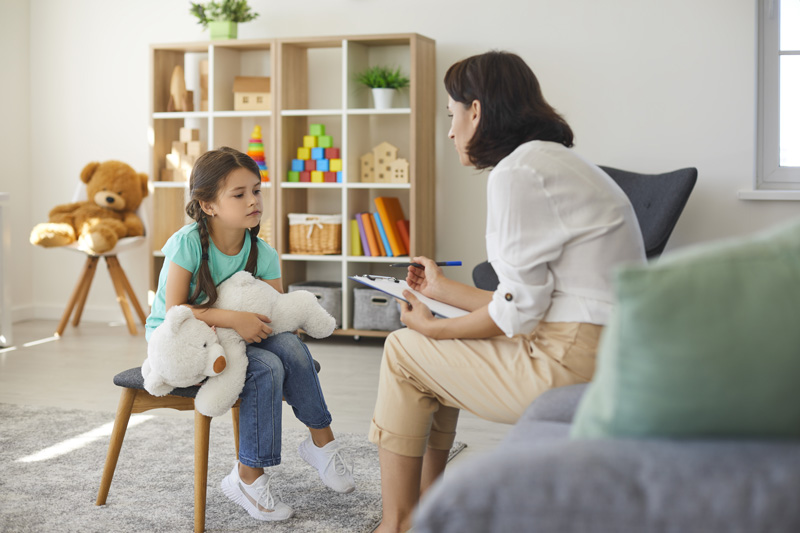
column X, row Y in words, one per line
column 383, row 98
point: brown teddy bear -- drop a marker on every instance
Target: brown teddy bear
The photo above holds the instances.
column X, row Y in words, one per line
column 115, row 191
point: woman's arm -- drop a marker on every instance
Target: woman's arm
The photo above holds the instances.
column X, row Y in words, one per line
column 476, row 325
column 431, row 281
column 252, row 327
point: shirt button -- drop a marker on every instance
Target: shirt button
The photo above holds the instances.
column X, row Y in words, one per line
column 509, row 297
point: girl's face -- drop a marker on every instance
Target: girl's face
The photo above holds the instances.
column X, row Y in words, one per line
column 238, row 203
column 464, row 122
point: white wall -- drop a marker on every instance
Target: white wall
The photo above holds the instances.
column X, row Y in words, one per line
column 647, row 86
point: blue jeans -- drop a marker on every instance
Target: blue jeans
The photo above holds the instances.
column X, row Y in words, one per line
column 278, row 367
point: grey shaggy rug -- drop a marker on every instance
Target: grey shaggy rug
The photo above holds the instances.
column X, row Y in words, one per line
column 153, row 488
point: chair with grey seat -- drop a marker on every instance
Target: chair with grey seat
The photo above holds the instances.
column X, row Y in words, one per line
column 657, row 199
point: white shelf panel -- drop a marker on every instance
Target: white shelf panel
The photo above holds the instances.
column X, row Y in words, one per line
column 376, row 259
column 359, row 185
column 181, row 114
column 309, row 185
column 301, row 257
column 392, row 111
column 240, row 114
column 310, row 112
column 170, row 184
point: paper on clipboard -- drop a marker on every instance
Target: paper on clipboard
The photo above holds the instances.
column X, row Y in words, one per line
column 395, row 288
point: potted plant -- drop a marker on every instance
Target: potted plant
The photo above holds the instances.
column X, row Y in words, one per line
column 384, row 83
column 222, row 17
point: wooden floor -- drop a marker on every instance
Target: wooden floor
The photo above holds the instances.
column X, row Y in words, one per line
column 75, row 371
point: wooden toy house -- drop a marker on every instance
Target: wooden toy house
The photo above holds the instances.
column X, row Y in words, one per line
column 383, row 166
column 251, row 93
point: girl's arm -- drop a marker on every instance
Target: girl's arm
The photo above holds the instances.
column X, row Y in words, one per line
column 252, row 327
column 476, row 325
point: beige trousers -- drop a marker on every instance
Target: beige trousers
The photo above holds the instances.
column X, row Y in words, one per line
column 425, row 382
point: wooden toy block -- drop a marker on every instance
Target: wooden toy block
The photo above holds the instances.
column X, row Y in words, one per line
column 317, row 153
column 305, row 176
column 331, row 153
column 316, row 129
column 304, row 153
column 189, row 134
column 339, row 177
column 368, row 168
column 194, row 148
column 204, row 85
column 179, row 147
column 316, row 176
column 323, row 165
column 336, row 165
column 329, row 177
column 310, row 164
column 293, row 176
column 251, row 93
column 298, row 165
column 325, row 141
column 309, row 141
column 170, row 174
column 398, row 171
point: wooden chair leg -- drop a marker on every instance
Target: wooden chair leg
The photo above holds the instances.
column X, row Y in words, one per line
column 127, row 284
column 86, row 285
column 87, row 273
column 202, row 427
column 121, row 298
column 235, row 415
column 115, row 444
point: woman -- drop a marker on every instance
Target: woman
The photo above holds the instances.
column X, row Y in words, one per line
column 556, row 228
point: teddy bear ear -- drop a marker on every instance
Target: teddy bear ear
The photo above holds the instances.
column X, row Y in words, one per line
column 176, row 316
column 143, row 178
column 88, row 171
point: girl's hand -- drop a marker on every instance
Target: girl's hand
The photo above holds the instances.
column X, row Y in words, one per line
column 252, row 327
column 427, row 280
column 416, row 314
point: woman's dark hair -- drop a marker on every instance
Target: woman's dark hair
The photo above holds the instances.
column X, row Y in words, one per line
column 513, row 109
column 208, row 175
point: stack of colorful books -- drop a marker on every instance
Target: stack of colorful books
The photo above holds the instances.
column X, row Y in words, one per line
column 384, row 232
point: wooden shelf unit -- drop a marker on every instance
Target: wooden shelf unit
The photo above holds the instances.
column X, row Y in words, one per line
column 312, row 81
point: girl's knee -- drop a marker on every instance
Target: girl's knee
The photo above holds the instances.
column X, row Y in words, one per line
column 291, row 349
column 262, row 362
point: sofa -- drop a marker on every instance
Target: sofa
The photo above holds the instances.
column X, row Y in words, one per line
column 691, row 423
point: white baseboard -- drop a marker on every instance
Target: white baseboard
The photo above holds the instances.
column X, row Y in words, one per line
column 91, row 313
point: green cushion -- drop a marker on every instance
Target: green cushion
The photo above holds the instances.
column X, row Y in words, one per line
column 703, row 343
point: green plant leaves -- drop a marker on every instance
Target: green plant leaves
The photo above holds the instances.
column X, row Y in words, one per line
column 224, row 10
column 379, row 77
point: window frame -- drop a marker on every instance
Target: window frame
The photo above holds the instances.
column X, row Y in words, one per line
column 769, row 174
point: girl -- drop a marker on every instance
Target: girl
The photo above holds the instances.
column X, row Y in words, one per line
column 225, row 191
column 556, row 227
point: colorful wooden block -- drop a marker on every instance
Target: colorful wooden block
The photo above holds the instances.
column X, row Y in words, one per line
column 325, row 141
column 331, row 153
column 339, row 177
column 304, row 153
column 323, row 165
column 293, row 176
column 316, row 129
column 305, row 176
column 298, row 165
column 316, row 176
column 317, row 153
column 310, row 141
column 310, row 164
column 329, row 177
column 336, row 165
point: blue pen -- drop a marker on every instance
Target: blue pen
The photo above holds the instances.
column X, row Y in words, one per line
column 438, row 263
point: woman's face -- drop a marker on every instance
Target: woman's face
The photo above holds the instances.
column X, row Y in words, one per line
column 463, row 123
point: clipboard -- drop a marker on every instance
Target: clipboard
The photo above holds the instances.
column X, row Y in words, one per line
column 394, row 288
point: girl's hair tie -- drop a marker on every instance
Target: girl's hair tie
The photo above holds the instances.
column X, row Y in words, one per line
column 204, row 257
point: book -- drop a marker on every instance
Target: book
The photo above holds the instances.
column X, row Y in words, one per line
column 382, row 232
column 404, row 229
column 355, row 239
column 363, row 234
column 371, row 231
column 378, row 240
column 394, row 287
column 391, row 211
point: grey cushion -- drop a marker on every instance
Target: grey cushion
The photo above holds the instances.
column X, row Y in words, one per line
column 536, row 431
column 556, row 405
column 619, row 486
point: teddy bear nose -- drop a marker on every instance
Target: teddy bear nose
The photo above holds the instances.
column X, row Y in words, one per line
column 110, row 199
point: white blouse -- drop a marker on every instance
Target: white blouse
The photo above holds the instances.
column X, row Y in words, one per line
column 557, row 226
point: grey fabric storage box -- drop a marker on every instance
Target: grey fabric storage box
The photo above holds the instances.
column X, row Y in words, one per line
column 329, row 294
column 374, row 309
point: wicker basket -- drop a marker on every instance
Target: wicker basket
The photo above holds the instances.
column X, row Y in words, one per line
column 315, row 234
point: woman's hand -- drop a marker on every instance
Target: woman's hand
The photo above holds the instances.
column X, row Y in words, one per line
column 416, row 314
column 427, row 280
column 252, row 327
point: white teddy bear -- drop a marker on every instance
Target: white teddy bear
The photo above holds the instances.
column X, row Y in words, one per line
column 173, row 353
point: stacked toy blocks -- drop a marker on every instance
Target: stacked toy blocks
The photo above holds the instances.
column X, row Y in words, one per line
column 318, row 161
column 181, row 159
column 256, row 151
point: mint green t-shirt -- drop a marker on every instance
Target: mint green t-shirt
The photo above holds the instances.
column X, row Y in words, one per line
column 184, row 249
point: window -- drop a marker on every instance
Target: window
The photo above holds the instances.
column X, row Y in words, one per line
column 779, row 95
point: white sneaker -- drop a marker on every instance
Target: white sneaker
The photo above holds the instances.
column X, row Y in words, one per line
column 257, row 498
column 329, row 462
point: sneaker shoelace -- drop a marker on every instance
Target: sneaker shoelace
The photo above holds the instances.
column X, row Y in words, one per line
column 340, row 465
column 265, row 498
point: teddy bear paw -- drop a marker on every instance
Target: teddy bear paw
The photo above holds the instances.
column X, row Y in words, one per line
column 51, row 234
column 97, row 241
